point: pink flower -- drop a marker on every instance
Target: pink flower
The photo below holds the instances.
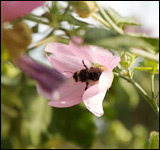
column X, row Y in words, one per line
column 69, row 59
column 11, row 10
column 47, row 79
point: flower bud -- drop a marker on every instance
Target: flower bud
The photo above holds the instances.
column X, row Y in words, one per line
column 127, row 60
column 16, row 39
column 84, row 8
column 124, row 72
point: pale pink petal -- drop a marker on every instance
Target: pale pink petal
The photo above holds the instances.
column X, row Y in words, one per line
column 93, row 100
column 89, row 53
column 91, row 91
column 69, row 94
column 113, row 62
column 105, row 80
column 65, row 102
column 11, row 10
column 83, row 52
column 68, row 60
column 109, row 62
column 101, row 51
column 67, row 65
column 58, row 49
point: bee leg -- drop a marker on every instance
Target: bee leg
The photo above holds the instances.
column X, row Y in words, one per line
column 86, row 85
column 84, row 64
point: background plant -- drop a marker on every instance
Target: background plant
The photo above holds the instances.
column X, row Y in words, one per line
column 27, row 120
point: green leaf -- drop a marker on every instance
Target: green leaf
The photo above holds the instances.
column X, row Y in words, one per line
column 73, row 20
column 54, row 10
column 6, row 144
column 133, row 97
column 36, row 113
column 39, row 119
column 154, row 42
column 35, row 28
column 4, row 52
column 152, row 64
column 75, row 124
column 111, row 40
column 154, row 140
column 57, row 15
column 10, row 75
column 121, row 21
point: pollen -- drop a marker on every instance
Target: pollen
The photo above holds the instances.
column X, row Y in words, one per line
column 99, row 66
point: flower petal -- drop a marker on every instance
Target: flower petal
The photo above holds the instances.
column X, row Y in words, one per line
column 105, row 80
column 113, row 62
column 93, row 100
column 47, row 79
column 83, row 52
column 43, row 92
column 89, row 53
column 109, row 62
column 69, row 94
column 67, row 65
column 11, row 10
column 101, row 51
column 58, row 49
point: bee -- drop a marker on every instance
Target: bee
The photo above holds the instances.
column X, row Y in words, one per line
column 89, row 75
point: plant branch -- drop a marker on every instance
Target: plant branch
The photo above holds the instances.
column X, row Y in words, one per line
column 95, row 16
column 157, row 95
column 152, row 85
column 108, row 19
column 145, row 54
column 36, row 20
column 142, row 91
column 143, row 68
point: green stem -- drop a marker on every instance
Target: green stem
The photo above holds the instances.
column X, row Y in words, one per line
column 66, row 10
column 95, row 16
column 142, row 91
column 49, row 34
column 36, row 20
column 152, row 86
column 9, row 111
column 35, row 16
column 108, row 19
column 145, row 54
column 143, row 68
column 157, row 96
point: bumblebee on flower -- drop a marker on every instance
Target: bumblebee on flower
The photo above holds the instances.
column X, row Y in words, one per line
column 88, row 75
column 88, row 72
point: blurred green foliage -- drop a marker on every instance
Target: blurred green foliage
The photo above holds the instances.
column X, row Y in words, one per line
column 111, row 40
column 154, row 140
column 28, row 122
column 75, row 124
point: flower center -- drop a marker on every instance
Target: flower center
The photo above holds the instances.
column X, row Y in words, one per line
column 99, row 66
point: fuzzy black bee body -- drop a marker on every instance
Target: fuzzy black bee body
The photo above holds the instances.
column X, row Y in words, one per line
column 88, row 75
column 85, row 75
